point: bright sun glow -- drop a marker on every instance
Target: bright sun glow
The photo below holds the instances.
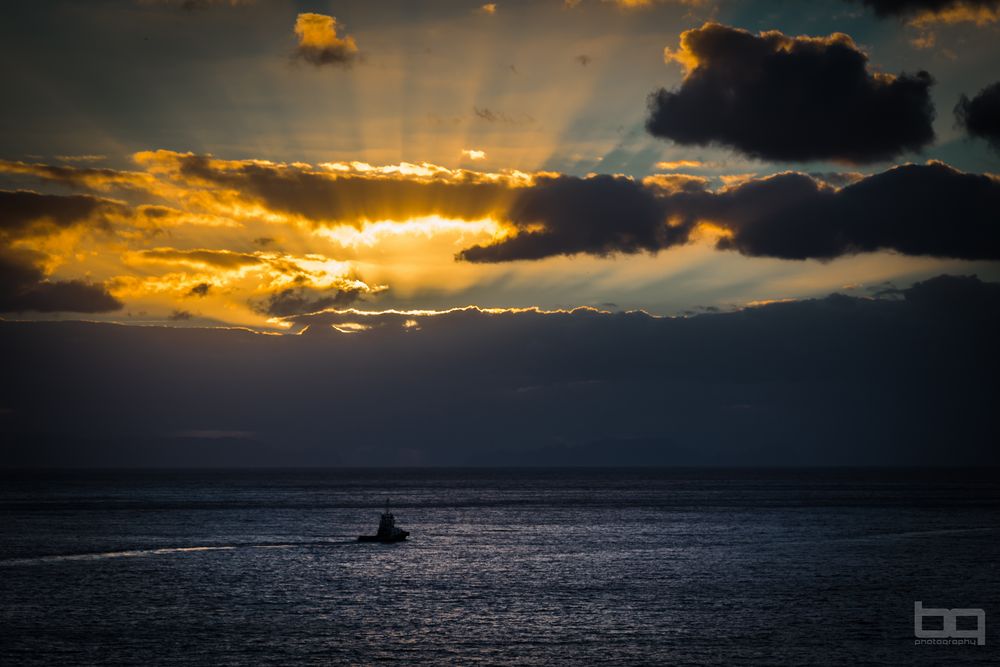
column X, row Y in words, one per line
column 426, row 227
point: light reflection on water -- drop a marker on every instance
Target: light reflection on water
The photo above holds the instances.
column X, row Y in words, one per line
column 525, row 567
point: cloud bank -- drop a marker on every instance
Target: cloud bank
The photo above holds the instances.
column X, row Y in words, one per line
column 929, row 210
column 908, row 379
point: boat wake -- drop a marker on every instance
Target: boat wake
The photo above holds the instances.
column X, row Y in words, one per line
column 163, row 551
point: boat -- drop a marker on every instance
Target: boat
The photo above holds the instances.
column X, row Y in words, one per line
column 387, row 530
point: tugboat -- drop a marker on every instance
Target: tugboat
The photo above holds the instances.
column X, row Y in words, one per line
column 387, row 531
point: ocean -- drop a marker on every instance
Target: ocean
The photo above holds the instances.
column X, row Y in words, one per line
column 503, row 566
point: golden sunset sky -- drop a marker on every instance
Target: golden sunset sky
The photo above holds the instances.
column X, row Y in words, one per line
column 239, row 163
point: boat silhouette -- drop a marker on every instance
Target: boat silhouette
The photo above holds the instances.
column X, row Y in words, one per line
column 387, row 530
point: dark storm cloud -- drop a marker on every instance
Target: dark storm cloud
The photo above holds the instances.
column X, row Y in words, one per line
column 598, row 215
column 776, row 97
column 980, row 116
column 45, row 296
column 299, row 300
column 911, row 8
column 931, row 210
column 915, row 377
column 961, row 294
column 23, row 212
column 24, row 288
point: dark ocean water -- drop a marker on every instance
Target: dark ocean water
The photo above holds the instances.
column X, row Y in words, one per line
column 503, row 566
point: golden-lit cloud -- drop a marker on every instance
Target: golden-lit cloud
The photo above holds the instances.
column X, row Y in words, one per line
column 85, row 177
column 348, row 320
column 45, row 237
column 319, row 43
column 924, row 13
column 350, row 193
column 247, row 241
column 671, row 165
column 732, row 180
column 266, row 283
column 328, row 185
column 925, row 40
column 230, row 222
column 81, row 158
column 669, row 183
column 957, row 13
column 697, row 46
column 38, row 233
column 642, row 4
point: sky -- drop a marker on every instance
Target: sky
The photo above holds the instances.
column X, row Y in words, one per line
column 596, row 217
